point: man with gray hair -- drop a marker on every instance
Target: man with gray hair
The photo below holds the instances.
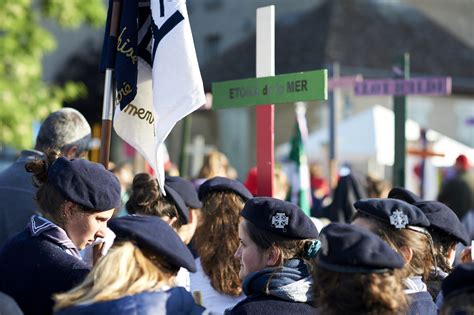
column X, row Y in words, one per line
column 65, row 130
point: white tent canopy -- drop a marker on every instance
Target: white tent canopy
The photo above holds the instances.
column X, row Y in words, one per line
column 369, row 136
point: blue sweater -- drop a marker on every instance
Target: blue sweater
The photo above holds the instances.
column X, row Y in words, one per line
column 174, row 301
column 32, row 269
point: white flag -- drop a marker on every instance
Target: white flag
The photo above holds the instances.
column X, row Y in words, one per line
column 168, row 90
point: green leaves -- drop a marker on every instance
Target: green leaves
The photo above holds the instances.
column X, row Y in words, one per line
column 24, row 97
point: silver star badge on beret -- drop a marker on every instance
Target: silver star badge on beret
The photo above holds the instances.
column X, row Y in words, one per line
column 399, row 219
column 279, row 220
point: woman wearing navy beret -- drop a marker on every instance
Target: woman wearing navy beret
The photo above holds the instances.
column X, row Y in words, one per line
column 276, row 241
column 137, row 276
column 404, row 227
column 76, row 198
column 216, row 240
column 356, row 272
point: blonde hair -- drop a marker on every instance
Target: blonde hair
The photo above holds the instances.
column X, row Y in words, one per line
column 215, row 164
column 422, row 260
column 126, row 270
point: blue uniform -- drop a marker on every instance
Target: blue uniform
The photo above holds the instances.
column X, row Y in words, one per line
column 285, row 290
column 421, row 303
column 33, row 268
column 173, row 301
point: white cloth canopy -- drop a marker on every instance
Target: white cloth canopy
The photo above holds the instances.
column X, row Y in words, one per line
column 369, row 135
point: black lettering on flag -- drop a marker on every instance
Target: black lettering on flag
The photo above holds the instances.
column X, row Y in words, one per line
column 160, row 33
column 162, row 8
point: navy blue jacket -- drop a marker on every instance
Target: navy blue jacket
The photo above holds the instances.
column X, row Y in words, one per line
column 279, row 290
column 174, row 301
column 267, row 304
column 32, row 269
column 421, row 303
column 17, row 194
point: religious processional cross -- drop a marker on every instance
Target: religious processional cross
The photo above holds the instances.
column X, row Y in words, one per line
column 265, row 90
column 399, row 88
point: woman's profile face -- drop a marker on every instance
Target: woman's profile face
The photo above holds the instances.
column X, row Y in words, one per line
column 83, row 228
column 251, row 257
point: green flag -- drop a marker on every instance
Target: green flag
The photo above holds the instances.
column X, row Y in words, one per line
column 298, row 171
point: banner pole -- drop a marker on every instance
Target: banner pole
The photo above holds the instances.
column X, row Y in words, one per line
column 108, row 101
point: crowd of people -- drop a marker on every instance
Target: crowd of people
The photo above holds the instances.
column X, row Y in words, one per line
column 76, row 238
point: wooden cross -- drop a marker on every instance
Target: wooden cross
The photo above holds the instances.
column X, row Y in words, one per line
column 399, row 89
column 424, row 153
column 265, row 90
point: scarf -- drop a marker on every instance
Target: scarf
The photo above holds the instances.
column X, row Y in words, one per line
column 414, row 284
column 291, row 282
column 41, row 226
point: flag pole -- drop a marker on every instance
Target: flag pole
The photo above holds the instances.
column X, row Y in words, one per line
column 107, row 106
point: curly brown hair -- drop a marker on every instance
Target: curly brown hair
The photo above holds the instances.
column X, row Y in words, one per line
column 217, row 238
column 373, row 293
column 146, row 199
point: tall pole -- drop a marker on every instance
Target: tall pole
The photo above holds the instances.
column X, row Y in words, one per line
column 185, row 136
column 334, row 72
column 109, row 95
column 265, row 56
column 401, row 70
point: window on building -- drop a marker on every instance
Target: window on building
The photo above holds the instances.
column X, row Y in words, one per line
column 213, row 4
column 213, row 42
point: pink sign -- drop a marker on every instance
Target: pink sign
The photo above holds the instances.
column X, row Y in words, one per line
column 420, row 86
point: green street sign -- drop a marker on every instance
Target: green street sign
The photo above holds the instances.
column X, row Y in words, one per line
column 284, row 88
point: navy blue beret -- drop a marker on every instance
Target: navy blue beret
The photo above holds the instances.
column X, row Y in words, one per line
column 280, row 217
column 442, row 218
column 460, row 280
column 397, row 213
column 186, row 189
column 403, row 194
column 352, row 249
column 85, row 183
column 155, row 235
column 224, row 184
column 173, row 196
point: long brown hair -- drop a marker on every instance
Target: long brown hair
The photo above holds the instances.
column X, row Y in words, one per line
column 373, row 293
column 217, row 238
column 146, row 198
column 420, row 243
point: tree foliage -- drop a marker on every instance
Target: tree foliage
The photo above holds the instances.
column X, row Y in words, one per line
column 24, row 96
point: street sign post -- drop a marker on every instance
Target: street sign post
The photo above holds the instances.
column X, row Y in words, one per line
column 265, row 90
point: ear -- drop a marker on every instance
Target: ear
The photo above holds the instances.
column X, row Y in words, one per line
column 67, row 208
column 273, row 256
column 172, row 221
column 407, row 254
column 71, row 152
column 191, row 216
